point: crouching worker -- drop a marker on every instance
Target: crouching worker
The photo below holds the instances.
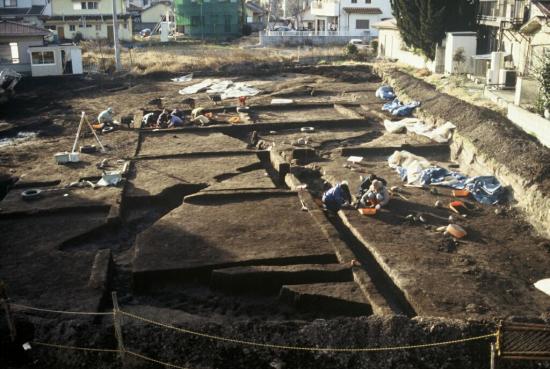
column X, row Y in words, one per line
column 367, row 182
column 377, row 196
column 106, row 117
column 337, row 196
column 175, row 119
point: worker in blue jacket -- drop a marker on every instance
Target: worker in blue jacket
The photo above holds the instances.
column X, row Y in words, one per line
column 337, row 196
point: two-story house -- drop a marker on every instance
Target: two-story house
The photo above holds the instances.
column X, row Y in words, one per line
column 29, row 12
column 350, row 17
column 92, row 19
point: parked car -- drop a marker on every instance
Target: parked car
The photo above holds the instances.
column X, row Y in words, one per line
column 361, row 45
column 146, row 32
column 283, row 29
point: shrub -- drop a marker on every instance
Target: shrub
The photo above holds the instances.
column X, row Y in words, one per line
column 78, row 37
column 374, row 45
column 351, row 51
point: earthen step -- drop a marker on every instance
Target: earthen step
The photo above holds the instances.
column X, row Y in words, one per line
column 269, row 279
column 332, row 298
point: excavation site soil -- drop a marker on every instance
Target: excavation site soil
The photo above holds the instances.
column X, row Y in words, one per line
column 214, row 250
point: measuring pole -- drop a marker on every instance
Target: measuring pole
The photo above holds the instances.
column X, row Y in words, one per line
column 115, row 37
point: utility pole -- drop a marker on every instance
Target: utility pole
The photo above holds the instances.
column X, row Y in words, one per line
column 284, row 9
column 115, row 37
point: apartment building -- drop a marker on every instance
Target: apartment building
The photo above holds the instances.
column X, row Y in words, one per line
column 92, row 19
column 29, row 12
column 350, row 17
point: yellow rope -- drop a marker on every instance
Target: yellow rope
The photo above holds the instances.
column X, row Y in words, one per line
column 326, row 349
column 25, row 307
column 66, row 347
column 154, row 360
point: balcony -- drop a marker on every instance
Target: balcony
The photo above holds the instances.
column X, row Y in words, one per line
column 493, row 12
column 325, row 8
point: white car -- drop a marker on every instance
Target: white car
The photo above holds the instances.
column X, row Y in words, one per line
column 359, row 43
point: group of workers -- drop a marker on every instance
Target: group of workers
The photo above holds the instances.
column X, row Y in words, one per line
column 165, row 119
column 372, row 193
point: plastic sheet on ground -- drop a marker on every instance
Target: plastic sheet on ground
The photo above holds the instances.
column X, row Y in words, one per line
column 408, row 166
column 385, row 93
column 186, row 78
column 397, row 108
column 225, row 88
column 417, row 171
column 439, row 134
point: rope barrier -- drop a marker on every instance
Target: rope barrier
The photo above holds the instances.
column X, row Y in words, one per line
column 111, row 351
column 66, row 347
column 25, row 307
column 317, row 349
column 154, row 360
column 238, row 341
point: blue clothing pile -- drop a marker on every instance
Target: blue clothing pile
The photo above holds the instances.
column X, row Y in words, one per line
column 485, row 189
column 385, row 93
column 397, row 108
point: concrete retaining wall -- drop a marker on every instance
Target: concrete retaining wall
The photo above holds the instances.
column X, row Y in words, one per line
column 533, row 124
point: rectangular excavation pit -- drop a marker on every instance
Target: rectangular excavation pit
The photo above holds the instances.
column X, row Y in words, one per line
column 168, row 143
column 269, row 279
column 227, row 231
column 330, row 298
column 489, row 273
column 152, row 178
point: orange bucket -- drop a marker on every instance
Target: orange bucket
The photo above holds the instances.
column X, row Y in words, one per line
column 461, row 193
column 367, row 211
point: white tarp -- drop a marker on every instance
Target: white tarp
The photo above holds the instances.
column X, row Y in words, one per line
column 413, row 164
column 225, row 88
column 439, row 134
column 186, row 78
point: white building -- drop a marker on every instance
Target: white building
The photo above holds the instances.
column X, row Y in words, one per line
column 91, row 19
column 28, row 12
column 352, row 17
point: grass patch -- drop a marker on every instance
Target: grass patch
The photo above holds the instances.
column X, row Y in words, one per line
column 184, row 58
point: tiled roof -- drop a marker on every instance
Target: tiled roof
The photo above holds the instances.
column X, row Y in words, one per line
column 359, row 10
column 386, row 24
column 9, row 28
column 34, row 10
column 544, row 7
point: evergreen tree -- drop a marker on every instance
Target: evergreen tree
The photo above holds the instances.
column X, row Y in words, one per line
column 423, row 23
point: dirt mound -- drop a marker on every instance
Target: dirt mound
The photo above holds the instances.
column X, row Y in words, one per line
column 494, row 135
column 197, row 352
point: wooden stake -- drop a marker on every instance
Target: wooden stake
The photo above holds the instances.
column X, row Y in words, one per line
column 493, row 356
column 6, row 306
column 117, row 319
column 78, row 132
column 93, row 132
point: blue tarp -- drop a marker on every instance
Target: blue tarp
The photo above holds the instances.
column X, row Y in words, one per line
column 397, row 108
column 485, row 189
column 385, row 93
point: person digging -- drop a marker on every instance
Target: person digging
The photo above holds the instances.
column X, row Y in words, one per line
column 337, row 197
column 376, row 197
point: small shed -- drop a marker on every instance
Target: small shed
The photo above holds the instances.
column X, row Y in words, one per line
column 55, row 60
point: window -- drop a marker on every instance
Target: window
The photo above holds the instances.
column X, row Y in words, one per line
column 92, row 5
column 72, row 27
column 354, row 1
column 51, row 28
column 362, row 24
column 367, row 1
column 43, row 57
column 14, row 53
column 83, row 5
column 10, row 3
